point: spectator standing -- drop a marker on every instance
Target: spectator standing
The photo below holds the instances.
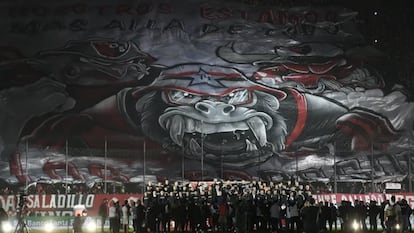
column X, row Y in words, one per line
column 310, row 213
column 392, row 214
column 292, row 214
column 78, row 223
column 382, row 214
column 103, row 213
column 125, row 216
column 112, row 218
column 405, row 215
column 361, row 214
column 118, row 217
column 222, row 219
column 275, row 216
column 133, row 214
column 195, row 216
column 346, row 213
column 333, row 217
column 140, row 213
column 373, row 212
column 180, row 216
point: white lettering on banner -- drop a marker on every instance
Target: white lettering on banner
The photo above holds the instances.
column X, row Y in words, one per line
column 388, row 196
column 44, row 205
column 79, row 200
column 70, row 200
column 333, row 198
column 7, row 202
column 378, row 197
column 10, row 202
column 60, row 204
column 89, row 201
column 52, row 203
column 60, row 201
column 33, row 201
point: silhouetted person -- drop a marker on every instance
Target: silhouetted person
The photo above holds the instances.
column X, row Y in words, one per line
column 140, row 216
column 112, row 218
column 333, row 216
column 373, row 212
column 310, row 214
column 78, row 223
column 103, row 213
column 382, row 214
column 405, row 215
column 275, row 216
column 125, row 215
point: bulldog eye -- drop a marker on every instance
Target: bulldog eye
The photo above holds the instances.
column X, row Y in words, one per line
column 182, row 97
column 237, row 97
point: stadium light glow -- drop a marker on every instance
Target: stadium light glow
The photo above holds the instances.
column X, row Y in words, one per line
column 355, row 225
column 49, row 227
column 90, row 226
column 397, row 227
column 6, row 226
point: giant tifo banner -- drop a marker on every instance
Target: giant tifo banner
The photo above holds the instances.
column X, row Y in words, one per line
column 234, row 89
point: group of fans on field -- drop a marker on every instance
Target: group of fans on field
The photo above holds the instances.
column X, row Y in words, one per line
column 245, row 207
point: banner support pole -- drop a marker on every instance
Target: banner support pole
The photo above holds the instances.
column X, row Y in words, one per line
column 105, row 166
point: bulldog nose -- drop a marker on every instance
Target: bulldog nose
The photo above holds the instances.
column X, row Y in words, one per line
column 213, row 109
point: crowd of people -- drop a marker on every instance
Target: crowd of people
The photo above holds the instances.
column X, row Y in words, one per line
column 247, row 206
column 116, row 187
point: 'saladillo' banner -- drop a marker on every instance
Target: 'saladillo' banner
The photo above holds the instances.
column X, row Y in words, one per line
column 232, row 89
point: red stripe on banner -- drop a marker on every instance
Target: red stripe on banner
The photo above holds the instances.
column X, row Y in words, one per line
column 301, row 117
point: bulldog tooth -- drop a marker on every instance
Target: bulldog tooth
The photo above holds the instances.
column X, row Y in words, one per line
column 250, row 146
column 189, row 125
column 195, row 147
column 254, row 147
column 258, row 128
column 247, row 145
column 177, row 129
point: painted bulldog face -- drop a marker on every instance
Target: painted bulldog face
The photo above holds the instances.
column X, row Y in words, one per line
column 215, row 112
